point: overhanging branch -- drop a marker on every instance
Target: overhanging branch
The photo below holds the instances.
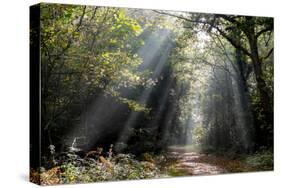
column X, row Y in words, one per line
column 222, row 33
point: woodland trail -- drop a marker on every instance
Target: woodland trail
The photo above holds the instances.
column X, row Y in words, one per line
column 195, row 163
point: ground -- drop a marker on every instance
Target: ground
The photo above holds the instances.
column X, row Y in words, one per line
column 185, row 161
column 176, row 161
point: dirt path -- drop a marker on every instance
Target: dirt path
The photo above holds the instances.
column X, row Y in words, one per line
column 194, row 163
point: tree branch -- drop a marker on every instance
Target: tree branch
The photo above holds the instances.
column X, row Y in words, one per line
column 264, row 30
column 222, row 33
column 268, row 54
column 233, row 42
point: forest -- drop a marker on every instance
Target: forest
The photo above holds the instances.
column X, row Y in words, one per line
column 137, row 94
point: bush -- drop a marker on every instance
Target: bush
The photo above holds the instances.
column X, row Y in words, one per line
column 262, row 160
column 73, row 169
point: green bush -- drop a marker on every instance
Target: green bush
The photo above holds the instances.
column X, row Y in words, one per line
column 262, row 160
column 123, row 167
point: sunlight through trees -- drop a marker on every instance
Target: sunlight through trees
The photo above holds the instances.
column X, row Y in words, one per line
column 124, row 85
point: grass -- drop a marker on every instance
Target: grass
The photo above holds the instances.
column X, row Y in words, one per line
column 175, row 172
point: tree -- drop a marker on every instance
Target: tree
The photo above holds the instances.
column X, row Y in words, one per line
column 251, row 37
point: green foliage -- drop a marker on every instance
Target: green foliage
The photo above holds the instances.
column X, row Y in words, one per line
column 74, row 169
column 175, row 172
column 71, row 173
column 199, row 134
column 262, row 160
column 135, row 105
column 86, row 50
column 125, row 25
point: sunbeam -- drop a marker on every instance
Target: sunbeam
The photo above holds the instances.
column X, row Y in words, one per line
column 159, row 63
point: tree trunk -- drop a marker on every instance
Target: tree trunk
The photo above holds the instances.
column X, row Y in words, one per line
column 265, row 99
column 244, row 98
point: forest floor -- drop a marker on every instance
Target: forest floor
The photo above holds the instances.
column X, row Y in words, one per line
column 176, row 161
column 184, row 161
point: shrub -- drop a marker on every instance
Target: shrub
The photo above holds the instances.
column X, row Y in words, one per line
column 262, row 160
column 73, row 169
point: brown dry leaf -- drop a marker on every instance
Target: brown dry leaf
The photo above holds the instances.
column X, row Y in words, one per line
column 51, row 177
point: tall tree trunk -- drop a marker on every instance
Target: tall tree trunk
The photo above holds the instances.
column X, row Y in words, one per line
column 244, row 98
column 265, row 98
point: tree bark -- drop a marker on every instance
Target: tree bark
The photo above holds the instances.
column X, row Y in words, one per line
column 261, row 84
